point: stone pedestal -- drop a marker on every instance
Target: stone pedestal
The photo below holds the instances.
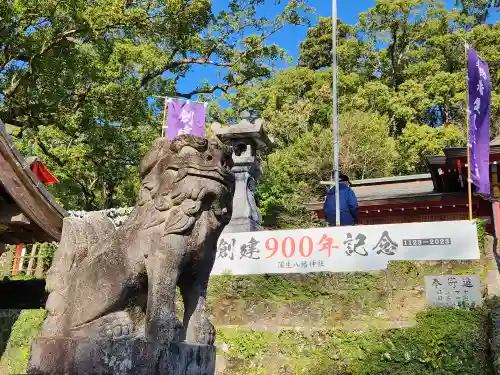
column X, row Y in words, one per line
column 246, row 139
column 132, row 356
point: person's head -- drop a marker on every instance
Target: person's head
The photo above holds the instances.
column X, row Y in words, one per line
column 343, row 178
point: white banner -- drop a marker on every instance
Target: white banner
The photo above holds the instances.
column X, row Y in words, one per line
column 344, row 249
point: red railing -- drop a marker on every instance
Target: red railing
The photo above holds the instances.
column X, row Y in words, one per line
column 29, row 260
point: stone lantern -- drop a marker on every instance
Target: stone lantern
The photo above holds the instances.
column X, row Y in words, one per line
column 246, row 139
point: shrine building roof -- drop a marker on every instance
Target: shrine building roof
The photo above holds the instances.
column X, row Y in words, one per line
column 28, row 212
column 393, row 187
column 389, row 190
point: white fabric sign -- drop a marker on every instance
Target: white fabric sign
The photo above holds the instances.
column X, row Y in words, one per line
column 343, row 249
column 453, row 290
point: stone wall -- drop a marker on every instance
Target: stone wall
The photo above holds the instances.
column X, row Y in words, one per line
column 282, row 324
column 384, row 299
column 443, row 341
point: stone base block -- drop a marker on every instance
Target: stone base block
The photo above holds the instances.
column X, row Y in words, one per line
column 131, row 356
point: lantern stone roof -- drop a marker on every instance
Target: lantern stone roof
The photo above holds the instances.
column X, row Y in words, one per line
column 243, row 130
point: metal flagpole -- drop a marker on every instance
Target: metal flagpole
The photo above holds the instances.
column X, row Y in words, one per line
column 467, row 122
column 335, row 113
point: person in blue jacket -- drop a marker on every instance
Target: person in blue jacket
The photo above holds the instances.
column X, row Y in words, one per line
column 348, row 204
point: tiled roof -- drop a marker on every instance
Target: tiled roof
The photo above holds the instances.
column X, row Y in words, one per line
column 379, row 191
column 391, row 180
column 394, row 190
column 391, row 187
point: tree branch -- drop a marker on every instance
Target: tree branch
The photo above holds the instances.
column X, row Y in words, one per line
column 212, row 89
column 49, row 46
column 205, row 60
column 8, row 92
column 148, row 76
column 88, row 194
column 202, row 61
column 48, row 153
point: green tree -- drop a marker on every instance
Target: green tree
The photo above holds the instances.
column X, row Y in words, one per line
column 353, row 54
column 419, row 141
column 401, row 93
column 405, row 59
column 293, row 174
column 476, row 11
column 75, row 77
column 291, row 102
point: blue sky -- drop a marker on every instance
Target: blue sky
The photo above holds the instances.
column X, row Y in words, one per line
column 290, row 37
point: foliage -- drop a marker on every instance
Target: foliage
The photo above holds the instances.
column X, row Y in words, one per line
column 291, row 102
column 21, row 333
column 75, row 82
column 444, row 341
column 19, row 276
column 352, row 53
column 481, row 232
column 477, row 10
column 293, row 174
column 493, row 304
column 419, row 141
column 355, row 300
column 75, row 77
column 401, row 70
column 293, row 287
column 43, row 258
column 403, row 275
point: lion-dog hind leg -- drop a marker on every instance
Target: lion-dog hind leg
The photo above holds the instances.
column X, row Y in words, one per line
column 100, row 289
column 78, row 237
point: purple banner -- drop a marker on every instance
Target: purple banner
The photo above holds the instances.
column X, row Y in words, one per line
column 479, row 84
column 185, row 118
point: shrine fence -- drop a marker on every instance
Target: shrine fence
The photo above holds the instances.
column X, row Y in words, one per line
column 28, row 260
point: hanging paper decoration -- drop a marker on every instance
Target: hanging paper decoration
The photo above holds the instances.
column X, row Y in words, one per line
column 185, row 118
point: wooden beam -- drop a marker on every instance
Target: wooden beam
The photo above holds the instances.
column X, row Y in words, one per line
column 12, row 214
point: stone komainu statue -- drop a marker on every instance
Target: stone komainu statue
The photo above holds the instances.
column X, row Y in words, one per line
column 108, row 282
